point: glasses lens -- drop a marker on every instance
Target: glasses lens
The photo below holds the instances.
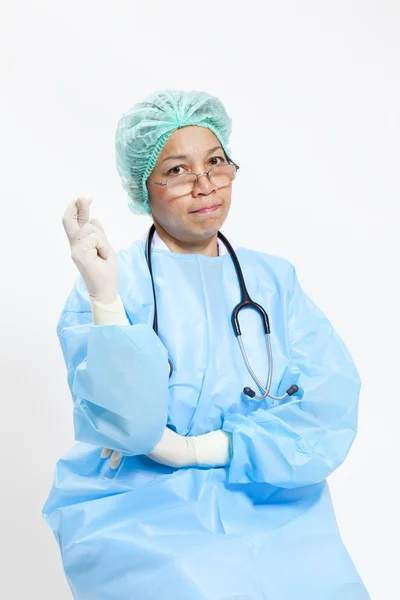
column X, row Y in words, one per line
column 222, row 175
column 181, row 184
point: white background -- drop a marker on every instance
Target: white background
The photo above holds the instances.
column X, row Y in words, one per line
column 313, row 91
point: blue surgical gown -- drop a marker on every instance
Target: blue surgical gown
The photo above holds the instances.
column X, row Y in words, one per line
column 262, row 528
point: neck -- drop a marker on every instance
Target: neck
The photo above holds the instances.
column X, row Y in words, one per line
column 208, row 247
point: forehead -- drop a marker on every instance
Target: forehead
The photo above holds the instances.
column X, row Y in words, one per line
column 186, row 140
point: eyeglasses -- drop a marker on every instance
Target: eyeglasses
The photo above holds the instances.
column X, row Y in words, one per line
column 219, row 175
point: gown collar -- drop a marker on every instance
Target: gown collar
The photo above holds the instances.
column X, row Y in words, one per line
column 158, row 243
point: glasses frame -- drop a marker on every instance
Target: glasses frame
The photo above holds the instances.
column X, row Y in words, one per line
column 197, row 175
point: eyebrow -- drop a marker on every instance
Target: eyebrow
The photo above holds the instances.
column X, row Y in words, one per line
column 183, row 156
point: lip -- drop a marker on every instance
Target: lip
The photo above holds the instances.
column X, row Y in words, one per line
column 207, row 209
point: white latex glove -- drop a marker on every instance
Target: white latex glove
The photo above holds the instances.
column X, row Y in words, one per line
column 208, row 450
column 91, row 251
column 174, row 450
column 112, row 313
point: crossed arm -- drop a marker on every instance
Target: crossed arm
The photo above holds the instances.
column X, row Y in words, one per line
column 294, row 443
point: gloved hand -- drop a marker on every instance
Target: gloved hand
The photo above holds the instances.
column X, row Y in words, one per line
column 91, row 251
column 115, row 458
column 211, row 449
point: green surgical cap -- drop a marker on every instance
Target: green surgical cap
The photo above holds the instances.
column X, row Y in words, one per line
column 145, row 128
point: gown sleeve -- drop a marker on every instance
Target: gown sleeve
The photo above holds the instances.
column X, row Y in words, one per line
column 304, row 438
column 118, row 378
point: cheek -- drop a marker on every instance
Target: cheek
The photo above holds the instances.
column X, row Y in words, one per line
column 164, row 208
column 226, row 194
column 157, row 200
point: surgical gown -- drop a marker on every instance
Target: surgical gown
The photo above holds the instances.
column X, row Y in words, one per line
column 262, row 528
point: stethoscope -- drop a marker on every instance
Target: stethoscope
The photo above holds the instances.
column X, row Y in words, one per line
column 246, row 302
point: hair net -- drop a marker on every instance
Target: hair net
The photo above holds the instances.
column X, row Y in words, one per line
column 144, row 129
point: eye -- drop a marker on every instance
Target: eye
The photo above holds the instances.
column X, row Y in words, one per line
column 173, row 172
column 216, row 158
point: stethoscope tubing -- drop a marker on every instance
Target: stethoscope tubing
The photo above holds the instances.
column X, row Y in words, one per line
column 245, row 302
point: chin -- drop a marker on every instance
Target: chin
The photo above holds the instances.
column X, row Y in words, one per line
column 211, row 226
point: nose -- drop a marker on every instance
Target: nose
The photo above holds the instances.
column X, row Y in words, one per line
column 204, row 186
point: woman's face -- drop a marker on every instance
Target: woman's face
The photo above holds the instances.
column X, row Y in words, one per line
column 198, row 150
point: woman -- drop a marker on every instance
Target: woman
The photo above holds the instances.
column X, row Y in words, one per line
column 214, row 490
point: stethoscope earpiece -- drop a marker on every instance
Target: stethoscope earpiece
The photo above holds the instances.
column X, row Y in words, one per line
column 292, row 390
column 249, row 392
